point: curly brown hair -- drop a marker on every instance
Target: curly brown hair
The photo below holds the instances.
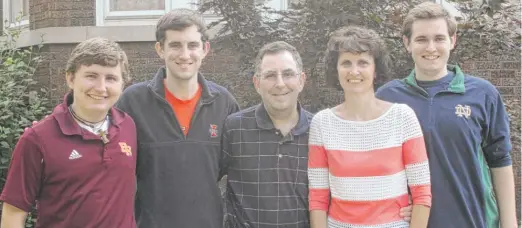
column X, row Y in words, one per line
column 100, row 51
column 355, row 39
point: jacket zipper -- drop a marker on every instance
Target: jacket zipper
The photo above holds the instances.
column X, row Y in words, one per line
column 175, row 118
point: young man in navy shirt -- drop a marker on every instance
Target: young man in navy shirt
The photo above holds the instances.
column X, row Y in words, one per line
column 465, row 125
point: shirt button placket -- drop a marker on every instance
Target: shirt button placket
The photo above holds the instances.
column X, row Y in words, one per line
column 106, row 156
column 279, row 155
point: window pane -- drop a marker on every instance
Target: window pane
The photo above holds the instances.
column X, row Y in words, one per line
column 136, row 5
column 26, row 8
column 19, row 8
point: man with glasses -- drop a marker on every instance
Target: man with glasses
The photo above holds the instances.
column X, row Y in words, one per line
column 265, row 147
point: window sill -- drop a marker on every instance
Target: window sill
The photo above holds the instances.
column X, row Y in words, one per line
column 118, row 33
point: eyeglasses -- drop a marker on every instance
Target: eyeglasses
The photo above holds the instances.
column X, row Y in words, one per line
column 272, row 76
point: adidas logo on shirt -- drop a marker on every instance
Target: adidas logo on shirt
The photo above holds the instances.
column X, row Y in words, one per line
column 74, row 155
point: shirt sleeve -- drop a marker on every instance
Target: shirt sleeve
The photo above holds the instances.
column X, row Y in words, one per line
column 225, row 158
column 234, row 106
column 497, row 143
column 415, row 159
column 24, row 174
column 319, row 186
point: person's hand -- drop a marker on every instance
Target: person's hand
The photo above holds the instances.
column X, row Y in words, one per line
column 405, row 213
column 34, row 123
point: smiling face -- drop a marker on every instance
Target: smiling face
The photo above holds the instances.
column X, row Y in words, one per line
column 279, row 81
column 430, row 45
column 183, row 51
column 356, row 72
column 95, row 88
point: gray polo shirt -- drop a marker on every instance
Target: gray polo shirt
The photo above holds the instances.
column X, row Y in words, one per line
column 267, row 184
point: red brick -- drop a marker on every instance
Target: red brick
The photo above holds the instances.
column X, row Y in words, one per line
column 510, row 82
column 487, row 65
column 504, row 74
column 506, row 90
column 479, row 73
column 511, row 65
column 62, row 13
column 467, row 66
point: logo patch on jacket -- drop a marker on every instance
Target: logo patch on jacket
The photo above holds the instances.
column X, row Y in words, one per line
column 463, row 111
column 213, row 131
column 126, row 149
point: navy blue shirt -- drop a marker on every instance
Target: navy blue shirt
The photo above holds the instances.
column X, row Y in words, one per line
column 466, row 129
column 433, row 87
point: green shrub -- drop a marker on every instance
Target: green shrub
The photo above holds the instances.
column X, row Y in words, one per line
column 21, row 101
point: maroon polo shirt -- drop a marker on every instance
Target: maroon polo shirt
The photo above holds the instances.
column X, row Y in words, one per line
column 74, row 179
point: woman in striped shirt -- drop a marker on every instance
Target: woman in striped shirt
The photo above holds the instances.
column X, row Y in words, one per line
column 365, row 154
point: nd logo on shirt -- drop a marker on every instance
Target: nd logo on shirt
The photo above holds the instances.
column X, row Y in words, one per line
column 126, row 149
column 463, row 111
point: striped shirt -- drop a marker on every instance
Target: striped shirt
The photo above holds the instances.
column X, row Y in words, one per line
column 367, row 167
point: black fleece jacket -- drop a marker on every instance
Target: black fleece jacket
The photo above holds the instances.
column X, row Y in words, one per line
column 177, row 175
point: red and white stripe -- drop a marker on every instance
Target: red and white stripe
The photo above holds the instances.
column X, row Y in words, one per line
column 367, row 168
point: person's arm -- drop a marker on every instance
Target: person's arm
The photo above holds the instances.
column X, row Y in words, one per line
column 233, row 106
column 417, row 169
column 23, row 180
column 225, row 157
column 318, row 219
column 319, row 187
column 12, row 217
column 497, row 147
column 504, row 186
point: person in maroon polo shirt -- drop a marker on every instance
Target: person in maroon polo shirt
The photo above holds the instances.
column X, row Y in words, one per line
column 78, row 164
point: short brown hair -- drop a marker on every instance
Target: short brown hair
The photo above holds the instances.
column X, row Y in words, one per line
column 355, row 39
column 98, row 51
column 425, row 11
column 275, row 48
column 178, row 20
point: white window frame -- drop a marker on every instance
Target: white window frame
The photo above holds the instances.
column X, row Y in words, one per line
column 278, row 4
column 104, row 17
column 23, row 24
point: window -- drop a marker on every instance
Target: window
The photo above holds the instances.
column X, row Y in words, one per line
column 276, row 4
column 16, row 12
column 128, row 5
column 146, row 12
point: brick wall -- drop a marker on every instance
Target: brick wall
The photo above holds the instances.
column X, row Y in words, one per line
column 61, row 13
column 502, row 71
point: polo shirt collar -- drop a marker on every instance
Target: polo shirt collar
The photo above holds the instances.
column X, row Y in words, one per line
column 264, row 121
column 158, row 85
column 66, row 121
column 456, row 85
